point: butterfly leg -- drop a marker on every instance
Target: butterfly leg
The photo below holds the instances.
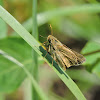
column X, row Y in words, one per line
column 61, row 62
column 45, row 55
column 52, row 62
column 54, row 57
column 44, row 43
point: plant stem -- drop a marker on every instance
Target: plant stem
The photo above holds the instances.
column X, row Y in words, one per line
column 34, row 54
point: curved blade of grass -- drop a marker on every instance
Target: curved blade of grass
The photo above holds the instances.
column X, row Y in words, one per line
column 36, row 46
column 68, row 11
column 65, row 11
column 44, row 17
column 35, row 55
column 84, row 76
column 37, row 88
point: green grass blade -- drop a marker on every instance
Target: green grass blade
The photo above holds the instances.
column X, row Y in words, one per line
column 35, row 55
column 84, row 76
column 44, row 17
column 36, row 46
column 35, row 34
column 67, row 11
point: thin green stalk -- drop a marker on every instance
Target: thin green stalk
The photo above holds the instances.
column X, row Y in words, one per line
column 1, row 94
column 36, row 46
column 35, row 55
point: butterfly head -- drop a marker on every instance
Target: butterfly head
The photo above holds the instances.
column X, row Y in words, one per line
column 51, row 39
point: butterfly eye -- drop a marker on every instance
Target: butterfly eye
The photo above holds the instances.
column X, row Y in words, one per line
column 49, row 41
column 55, row 40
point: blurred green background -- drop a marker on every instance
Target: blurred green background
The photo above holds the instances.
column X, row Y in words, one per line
column 80, row 32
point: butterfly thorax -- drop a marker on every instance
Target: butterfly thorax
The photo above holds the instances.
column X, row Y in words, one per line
column 53, row 42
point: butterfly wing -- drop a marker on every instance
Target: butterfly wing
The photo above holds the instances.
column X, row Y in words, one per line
column 74, row 57
column 58, row 57
column 62, row 60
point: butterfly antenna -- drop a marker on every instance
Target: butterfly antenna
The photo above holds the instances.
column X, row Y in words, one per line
column 45, row 42
column 51, row 30
column 42, row 36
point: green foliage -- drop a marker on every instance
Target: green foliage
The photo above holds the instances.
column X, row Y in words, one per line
column 80, row 21
column 35, row 55
column 10, row 72
column 92, row 54
column 36, row 46
column 87, row 27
